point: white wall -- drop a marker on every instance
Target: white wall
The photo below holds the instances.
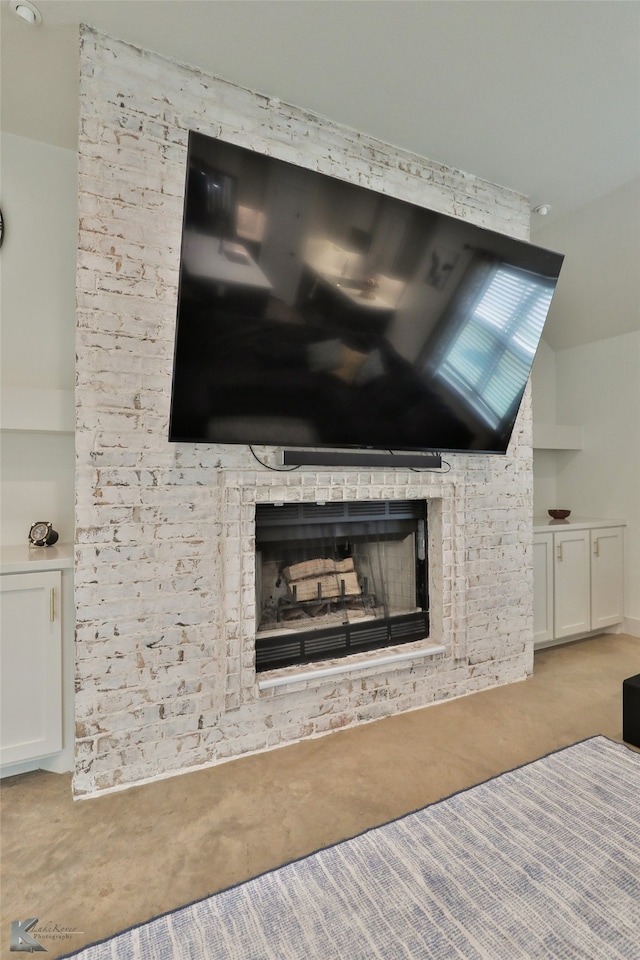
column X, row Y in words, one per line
column 39, row 204
column 37, row 273
column 595, row 385
column 543, row 404
column 599, row 278
column 599, row 385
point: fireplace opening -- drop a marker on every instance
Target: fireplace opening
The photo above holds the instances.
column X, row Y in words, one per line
column 337, row 578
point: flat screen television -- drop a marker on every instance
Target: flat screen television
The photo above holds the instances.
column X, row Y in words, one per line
column 316, row 313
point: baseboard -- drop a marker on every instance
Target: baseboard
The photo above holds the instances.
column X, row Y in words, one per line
column 606, row 631
column 632, row 626
column 62, row 762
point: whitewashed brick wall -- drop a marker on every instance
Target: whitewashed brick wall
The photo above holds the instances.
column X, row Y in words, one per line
column 165, row 569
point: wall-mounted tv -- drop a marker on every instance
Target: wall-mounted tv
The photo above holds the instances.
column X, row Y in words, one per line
column 315, row 313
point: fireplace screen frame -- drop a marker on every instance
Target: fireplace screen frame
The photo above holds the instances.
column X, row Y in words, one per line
column 383, row 519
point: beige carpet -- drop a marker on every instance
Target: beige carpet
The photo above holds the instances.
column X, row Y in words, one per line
column 98, row 866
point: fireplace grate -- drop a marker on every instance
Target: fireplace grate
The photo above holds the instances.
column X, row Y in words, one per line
column 273, row 652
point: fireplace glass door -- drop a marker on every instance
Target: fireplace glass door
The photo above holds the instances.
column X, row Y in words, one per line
column 337, row 578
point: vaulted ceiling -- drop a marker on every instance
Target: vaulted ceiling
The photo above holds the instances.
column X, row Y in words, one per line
column 542, row 96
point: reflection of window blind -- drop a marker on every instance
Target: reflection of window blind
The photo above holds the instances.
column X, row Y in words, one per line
column 490, row 358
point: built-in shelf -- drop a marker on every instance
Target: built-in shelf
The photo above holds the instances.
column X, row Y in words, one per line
column 556, row 436
column 37, row 409
column 22, row 558
column 545, row 524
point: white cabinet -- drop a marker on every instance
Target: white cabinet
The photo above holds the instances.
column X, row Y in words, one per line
column 543, row 587
column 578, row 579
column 607, row 566
column 572, row 587
column 30, row 666
column 37, row 624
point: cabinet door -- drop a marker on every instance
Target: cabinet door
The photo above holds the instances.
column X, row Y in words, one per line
column 542, row 587
column 572, row 604
column 607, row 577
column 30, row 666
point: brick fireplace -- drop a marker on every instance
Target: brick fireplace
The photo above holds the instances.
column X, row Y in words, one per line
column 165, row 575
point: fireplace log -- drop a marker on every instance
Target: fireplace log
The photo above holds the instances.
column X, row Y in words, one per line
column 324, row 587
column 317, row 567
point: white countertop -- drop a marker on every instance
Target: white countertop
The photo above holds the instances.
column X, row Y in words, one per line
column 544, row 524
column 23, row 559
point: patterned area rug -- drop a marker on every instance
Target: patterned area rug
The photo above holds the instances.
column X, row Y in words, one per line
column 541, row 862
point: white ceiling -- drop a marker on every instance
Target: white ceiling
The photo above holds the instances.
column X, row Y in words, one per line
column 542, row 96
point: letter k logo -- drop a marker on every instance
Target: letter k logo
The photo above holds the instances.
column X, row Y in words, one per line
column 21, row 940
